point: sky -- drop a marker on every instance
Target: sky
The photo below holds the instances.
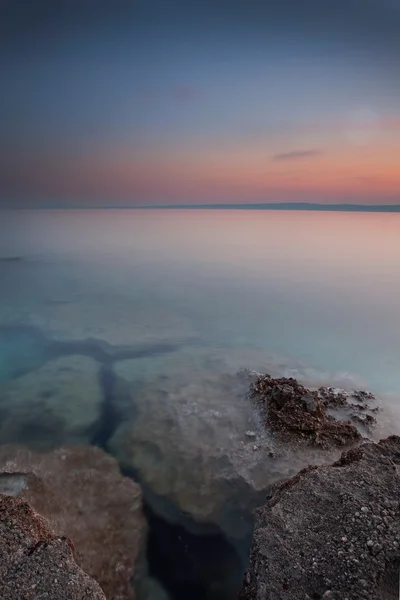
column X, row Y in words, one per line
column 154, row 102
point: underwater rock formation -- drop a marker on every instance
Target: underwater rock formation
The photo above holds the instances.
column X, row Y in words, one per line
column 59, row 403
column 207, row 448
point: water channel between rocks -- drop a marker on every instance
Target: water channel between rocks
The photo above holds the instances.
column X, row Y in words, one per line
column 178, row 420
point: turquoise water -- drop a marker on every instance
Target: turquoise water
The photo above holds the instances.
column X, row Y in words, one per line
column 319, row 289
column 20, row 351
column 132, row 323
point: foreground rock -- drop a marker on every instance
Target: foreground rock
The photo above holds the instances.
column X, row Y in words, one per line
column 331, row 532
column 81, row 493
column 206, row 454
column 34, row 563
column 189, row 447
column 300, row 417
column 59, row 403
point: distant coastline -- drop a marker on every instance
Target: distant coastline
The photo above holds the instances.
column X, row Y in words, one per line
column 395, row 208
column 375, row 208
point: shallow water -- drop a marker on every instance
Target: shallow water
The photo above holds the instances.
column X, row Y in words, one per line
column 162, row 299
column 322, row 288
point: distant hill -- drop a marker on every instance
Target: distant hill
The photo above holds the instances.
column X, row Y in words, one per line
column 391, row 208
column 395, row 208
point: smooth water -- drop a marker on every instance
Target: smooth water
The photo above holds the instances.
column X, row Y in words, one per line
column 320, row 288
column 168, row 302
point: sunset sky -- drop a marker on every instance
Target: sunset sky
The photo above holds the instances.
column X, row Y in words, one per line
column 151, row 102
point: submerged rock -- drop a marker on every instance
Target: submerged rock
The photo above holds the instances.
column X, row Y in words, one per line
column 115, row 319
column 189, row 449
column 35, row 563
column 206, row 454
column 331, row 532
column 81, row 493
column 59, row 403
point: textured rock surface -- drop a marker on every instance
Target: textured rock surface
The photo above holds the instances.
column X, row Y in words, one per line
column 81, row 493
column 358, row 406
column 299, row 416
column 200, row 448
column 331, row 532
column 59, row 403
column 190, row 450
column 34, row 563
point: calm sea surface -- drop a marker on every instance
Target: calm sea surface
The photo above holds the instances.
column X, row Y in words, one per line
column 124, row 328
column 320, row 289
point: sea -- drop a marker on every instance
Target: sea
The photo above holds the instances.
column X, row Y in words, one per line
column 155, row 295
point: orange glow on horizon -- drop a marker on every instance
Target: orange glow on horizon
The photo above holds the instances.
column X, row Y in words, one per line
column 243, row 171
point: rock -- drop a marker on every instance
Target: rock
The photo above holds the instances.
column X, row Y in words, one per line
column 358, row 406
column 308, row 543
column 34, row 563
column 81, row 493
column 193, row 466
column 190, row 361
column 59, row 403
column 197, row 468
column 299, row 416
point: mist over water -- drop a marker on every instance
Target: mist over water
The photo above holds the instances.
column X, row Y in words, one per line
column 322, row 289
column 170, row 305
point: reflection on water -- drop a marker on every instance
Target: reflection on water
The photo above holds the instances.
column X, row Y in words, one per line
column 120, row 326
column 321, row 288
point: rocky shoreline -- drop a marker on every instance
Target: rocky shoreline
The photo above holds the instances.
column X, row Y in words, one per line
column 82, row 495
column 331, row 532
column 328, row 531
column 34, row 562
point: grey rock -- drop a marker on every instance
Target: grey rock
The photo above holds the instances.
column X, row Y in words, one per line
column 191, row 464
column 83, row 496
column 359, row 407
column 298, row 538
column 34, row 563
column 309, row 403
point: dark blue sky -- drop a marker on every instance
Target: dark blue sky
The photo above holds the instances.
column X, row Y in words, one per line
column 155, row 102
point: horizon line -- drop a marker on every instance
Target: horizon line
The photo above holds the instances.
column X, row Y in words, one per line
column 283, row 206
column 228, row 206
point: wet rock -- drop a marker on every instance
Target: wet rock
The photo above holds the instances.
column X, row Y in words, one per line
column 59, row 403
column 81, row 493
column 35, row 563
column 299, row 416
column 193, row 463
column 317, row 536
column 358, row 406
